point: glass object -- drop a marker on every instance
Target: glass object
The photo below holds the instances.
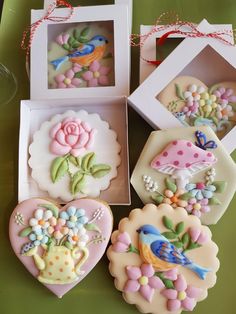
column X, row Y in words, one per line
column 8, row 85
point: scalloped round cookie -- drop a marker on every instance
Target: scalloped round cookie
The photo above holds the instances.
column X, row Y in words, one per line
column 74, row 155
column 162, row 259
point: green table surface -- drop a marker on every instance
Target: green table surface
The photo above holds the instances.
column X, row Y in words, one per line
column 19, row 291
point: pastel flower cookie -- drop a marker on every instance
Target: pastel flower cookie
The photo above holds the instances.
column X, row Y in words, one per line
column 195, row 104
column 81, row 56
column 74, row 155
column 189, row 168
column 163, row 260
column 60, row 245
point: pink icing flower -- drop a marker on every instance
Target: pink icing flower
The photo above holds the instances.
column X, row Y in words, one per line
column 225, row 95
column 57, row 228
column 142, row 279
column 71, row 136
column 68, row 80
column 182, row 296
column 97, row 74
column 122, row 243
column 62, row 39
column 171, row 274
column 198, row 236
column 197, row 208
column 191, row 108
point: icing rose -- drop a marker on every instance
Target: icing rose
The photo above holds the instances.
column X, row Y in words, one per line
column 71, row 136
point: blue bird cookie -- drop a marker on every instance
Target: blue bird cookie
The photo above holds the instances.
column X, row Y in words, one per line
column 163, row 260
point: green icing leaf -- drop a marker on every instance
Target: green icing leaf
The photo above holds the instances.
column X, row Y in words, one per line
column 83, row 39
column 100, row 170
column 185, row 238
column 87, row 161
column 220, row 186
column 167, row 222
column 76, row 33
column 25, row 232
column 179, row 227
column 179, row 92
column 177, row 244
column 68, row 245
column 71, row 41
column 168, row 283
column 53, row 208
column 92, row 227
column 77, row 182
column 169, row 235
column 84, row 32
column 59, row 168
column 66, row 46
column 157, row 199
column 75, row 45
column 214, row 201
column 212, row 88
column 170, row 185
column 73, row 160
column 193, row 245
column 186, row 196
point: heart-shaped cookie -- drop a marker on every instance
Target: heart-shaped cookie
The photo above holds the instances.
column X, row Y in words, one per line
column 195, row 104
column 60, row 245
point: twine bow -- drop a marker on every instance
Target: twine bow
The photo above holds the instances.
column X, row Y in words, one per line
column 31, row 29
column 172, row 21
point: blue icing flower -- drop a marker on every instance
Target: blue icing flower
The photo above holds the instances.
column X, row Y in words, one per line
column 38, row 237
column 200, row 190
column 75, row 217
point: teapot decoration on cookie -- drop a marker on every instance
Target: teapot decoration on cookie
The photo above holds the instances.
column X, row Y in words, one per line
column 59, row 241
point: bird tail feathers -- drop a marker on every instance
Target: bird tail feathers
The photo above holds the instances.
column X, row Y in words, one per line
column 200, row 271
column 58, row 62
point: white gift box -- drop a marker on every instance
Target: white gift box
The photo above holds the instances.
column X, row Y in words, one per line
column 35, row 112
column 118, row 14
column 205, row 58
column 109, row 102
column 149, row 52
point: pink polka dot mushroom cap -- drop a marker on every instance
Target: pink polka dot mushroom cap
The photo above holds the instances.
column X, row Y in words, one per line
column 182, row 159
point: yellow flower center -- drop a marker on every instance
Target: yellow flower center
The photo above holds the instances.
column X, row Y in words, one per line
column 197, row 206
column 181, row 295
column 96, row 74
column 143, row 280
column 67, row 81
column 73, row 218
column 40, row 237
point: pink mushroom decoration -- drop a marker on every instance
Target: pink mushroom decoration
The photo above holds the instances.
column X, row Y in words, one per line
column 181, row 159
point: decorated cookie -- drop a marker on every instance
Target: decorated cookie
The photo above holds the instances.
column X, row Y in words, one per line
column 81, row 56
column 163, row 260
column 186, row 167
column 195, row 104
column 74, row 155
column 60, row 246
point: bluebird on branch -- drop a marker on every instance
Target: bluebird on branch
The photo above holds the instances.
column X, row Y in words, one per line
column 86, row 53
column 157, row 250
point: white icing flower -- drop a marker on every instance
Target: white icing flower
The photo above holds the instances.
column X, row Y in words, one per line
column 40, row 220
column 193, row 92
column 150, row 185
column 78, row 237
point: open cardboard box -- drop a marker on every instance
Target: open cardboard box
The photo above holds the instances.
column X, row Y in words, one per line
column 207, row 59
column 111, row 109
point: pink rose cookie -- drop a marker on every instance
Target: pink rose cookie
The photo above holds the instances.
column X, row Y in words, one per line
column 189, row 168
column 163, row 260
column 74, row 155
column 60, row 246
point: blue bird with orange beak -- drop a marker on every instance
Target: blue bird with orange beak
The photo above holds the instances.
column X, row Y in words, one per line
column 86, row 53
column 156, row 250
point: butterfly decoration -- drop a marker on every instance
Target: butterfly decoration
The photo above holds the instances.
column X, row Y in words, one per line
column 202, row 141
